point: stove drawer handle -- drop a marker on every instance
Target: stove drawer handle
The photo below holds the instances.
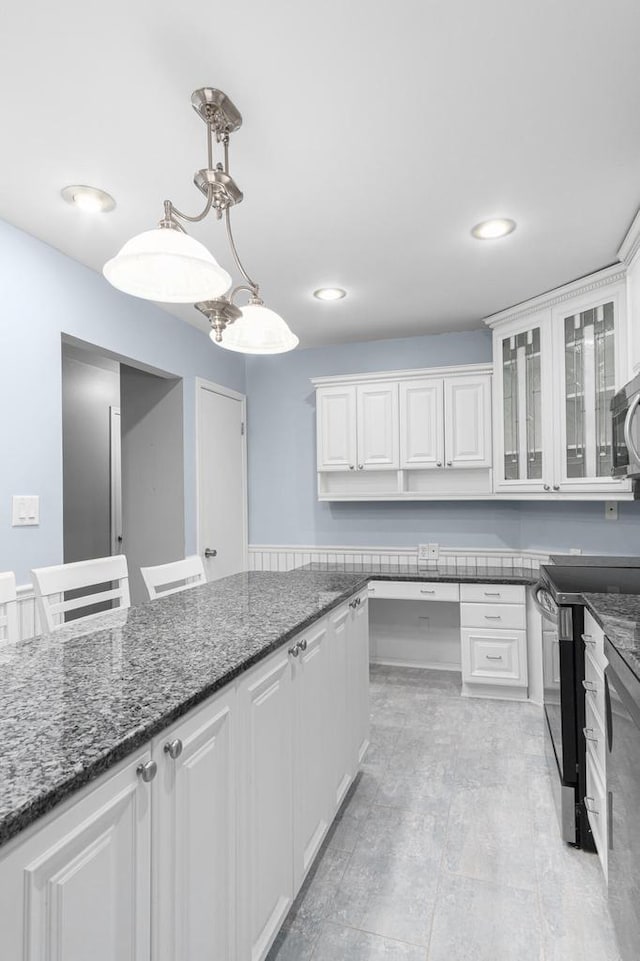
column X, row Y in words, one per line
column 589, row 735
column 588, row 803
column 590, row 687
column 589, row 640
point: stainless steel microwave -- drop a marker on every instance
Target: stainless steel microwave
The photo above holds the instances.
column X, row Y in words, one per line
column 626, row 430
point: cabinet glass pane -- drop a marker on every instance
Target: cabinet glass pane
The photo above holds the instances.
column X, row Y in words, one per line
column 521, row 379
column 589, row 365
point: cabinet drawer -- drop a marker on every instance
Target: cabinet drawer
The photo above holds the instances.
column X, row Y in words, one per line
column 593, row 638
column 415, row 590
column 492, row 593
column 510, row 617
column 494, row 657
column 594, row 734
column 596, row 805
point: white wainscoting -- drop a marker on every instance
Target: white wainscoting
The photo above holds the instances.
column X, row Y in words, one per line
column 281, row 557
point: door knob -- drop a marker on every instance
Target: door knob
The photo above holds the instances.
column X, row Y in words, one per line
column 147, row 771
column 173, row 748
column 210, row 552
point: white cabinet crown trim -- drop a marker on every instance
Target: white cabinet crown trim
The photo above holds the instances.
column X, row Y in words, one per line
column 602, row 278
column 631, row 243
column 402, row 375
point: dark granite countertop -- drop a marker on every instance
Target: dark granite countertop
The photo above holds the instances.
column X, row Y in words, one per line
column 75, row 702
column 595, row 560
column 470, row 573
column 619, row 617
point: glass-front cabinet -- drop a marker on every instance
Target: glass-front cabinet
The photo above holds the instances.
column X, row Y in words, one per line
column 557, row 366
column 522, row 372
column 590, row 367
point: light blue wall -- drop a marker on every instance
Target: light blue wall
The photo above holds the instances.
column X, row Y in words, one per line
column 42, row 295
column 283, row 504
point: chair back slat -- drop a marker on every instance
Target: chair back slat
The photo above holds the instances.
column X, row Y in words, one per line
column 8, row 608
column 165, row 579
column 52, row 582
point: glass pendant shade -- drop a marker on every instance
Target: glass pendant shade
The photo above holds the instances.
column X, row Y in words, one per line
column 259, row 331
column 168, row 266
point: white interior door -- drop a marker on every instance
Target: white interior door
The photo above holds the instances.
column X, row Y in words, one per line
column 222, row 480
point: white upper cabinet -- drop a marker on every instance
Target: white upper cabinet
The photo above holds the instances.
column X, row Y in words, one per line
column 421, row 419
column 377, row 426
column 558, row 360
column 336, row 426
column 467, row 421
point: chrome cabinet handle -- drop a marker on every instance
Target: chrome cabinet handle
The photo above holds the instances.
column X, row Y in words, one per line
column 302, row 645
column 449, row 463
column 350, row 466
column 493, row 657
column 294, row 651
column 546, row 487
column 438, row 463
column 493, row 617
column 556, row 487
column 173, row 748
column 492, row 594
column 427, row 590
column 352, row 605
column 210, row 552
column 590, row 801
column 589, row 735
column 360, row 466
column 358, row 601
column 590, row 687
column 147, row 771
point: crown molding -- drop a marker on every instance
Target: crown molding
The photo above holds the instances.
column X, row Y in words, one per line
column 602, row 278
column 403, row 375
column 631, row 243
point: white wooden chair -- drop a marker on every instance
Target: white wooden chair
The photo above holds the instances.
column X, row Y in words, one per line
column 109, row 575
column 8, row 608
column 177, row 576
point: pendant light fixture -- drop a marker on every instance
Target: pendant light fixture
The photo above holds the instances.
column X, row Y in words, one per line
column 167, row 265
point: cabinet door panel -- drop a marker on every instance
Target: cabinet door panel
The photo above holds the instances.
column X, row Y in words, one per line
column 336, row 427
column 468, row 421
column 194, row 824
column 494, row 657
column 421, row 424
column 378, row 426
column 312, row 759
column 359, row 678
column 343, row 763
column 266, row 803
column 89, row 882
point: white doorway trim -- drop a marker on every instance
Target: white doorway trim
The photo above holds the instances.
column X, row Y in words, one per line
column 202, row 384
column 115, row 469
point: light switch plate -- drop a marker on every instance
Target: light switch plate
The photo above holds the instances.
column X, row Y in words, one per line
column 25, row 510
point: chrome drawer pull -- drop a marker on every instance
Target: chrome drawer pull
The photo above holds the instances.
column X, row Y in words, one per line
column 590, row 687
column 493, row 617
column 492, row 594
column 588, row 639
column 424, row 590
column 302, row 645
column 591, row 810
column 589, row 735
column 493, row 657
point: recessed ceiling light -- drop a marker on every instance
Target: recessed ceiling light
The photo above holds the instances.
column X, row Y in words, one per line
column 330, row 293
column 493, row 229
column 90, row 199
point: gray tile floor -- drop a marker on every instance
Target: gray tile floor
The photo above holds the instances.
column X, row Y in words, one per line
column 447, row 847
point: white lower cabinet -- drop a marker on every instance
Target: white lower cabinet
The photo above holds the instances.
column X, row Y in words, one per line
column 196, row 847
column 80, row 886
column 494, row 640
column 193, row 798
column 265, row 794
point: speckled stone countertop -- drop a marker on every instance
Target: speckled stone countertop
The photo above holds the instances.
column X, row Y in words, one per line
column 619, row 617
column 470, row 573
column 75, row 702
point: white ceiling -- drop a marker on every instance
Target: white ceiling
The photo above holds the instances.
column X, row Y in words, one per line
column 375, row 136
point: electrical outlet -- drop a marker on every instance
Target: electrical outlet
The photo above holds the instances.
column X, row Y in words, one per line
column 611, row 510
column 434, row 552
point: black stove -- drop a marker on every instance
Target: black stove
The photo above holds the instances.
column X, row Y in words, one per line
column 559, row 597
